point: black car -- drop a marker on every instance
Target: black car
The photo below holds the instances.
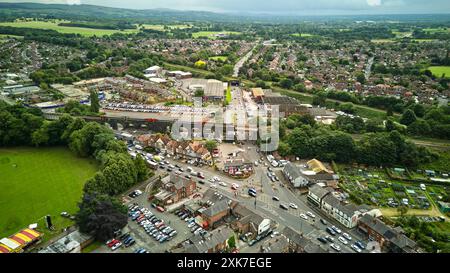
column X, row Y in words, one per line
column 283, row 206
column 331, row 231
column 322, row 240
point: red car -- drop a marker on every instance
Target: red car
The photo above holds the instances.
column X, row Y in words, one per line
column 160, row 209
column 113, row 242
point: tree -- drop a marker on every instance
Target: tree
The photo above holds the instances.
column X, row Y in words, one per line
column 390, row 125
column 286, row 83
column 211, row 145
column 141, row 168
column 402, row 210
column 200, row 64
column 408, row 117
column 100, row 215
column 231, row 242
column 199, row 93
column 360, row 77
column 319, row 99
column 95, row 103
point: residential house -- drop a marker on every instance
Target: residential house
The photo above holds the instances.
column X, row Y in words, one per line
column 316, row 194
column 347, row 215
column 389, row 238
column 294, row 174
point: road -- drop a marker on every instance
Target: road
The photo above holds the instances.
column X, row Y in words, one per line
column 242, row 61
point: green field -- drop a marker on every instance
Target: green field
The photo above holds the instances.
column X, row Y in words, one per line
column 438, row 71
column 219, row 58
column 212, row 34
column 35, row 182
column 436, row 30
column 304, row 35
column 64, row 29
column 161, row 27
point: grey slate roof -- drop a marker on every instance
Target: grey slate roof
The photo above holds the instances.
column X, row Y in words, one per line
column 318, row 191
column 218, row 207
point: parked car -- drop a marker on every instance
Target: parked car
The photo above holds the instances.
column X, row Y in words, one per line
column 342, row 240
column 294, row 206
column 329, row 239
column 275, row 198
column 116, row 246
column 331, row 231
column 335, row 247
column 356, row 248
column 324, row 222
column 336, row 229
column 360, row 245
column 283, row 206
column 302, row 215
column 346, row 236
column 322, row 240
column 310, row 214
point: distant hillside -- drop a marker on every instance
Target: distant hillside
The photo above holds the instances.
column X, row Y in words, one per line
column 11, row 11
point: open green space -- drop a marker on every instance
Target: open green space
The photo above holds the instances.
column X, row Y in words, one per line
column 53, row 25
column 228, row 95
column 36, row 182
column 436, row 30
column 438, row 71
column 164, row 27
column 212, row 34
column 303, row 35
column 219, row 58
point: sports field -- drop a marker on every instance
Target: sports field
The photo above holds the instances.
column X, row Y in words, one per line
column 64, row 29
column 438, row 71
column 35, row 182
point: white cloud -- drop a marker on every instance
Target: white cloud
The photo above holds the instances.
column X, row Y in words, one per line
column 374, row 3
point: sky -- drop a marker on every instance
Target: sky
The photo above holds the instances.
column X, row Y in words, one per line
column 289, row 7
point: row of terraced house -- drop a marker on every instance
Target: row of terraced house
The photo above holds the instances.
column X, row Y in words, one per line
column 183, row 149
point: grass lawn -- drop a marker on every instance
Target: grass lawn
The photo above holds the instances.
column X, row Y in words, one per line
column 36, row 182
column 435, row 30
column 228, row 95
column 64, row 29
column 93, row 246
column 219, row 58
column 212, row 34
column 438, row 71
column 382, row 41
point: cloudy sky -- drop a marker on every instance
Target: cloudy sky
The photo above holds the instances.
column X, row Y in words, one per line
column 300, row 7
